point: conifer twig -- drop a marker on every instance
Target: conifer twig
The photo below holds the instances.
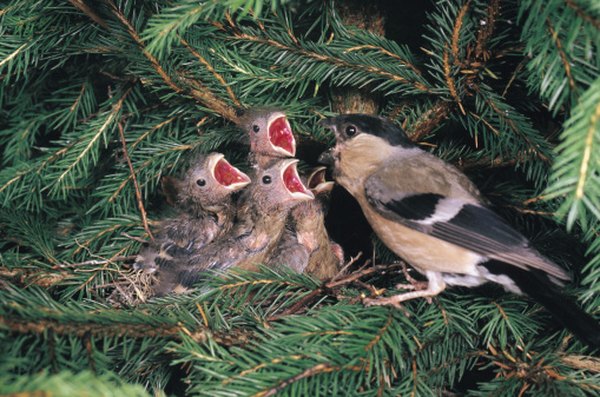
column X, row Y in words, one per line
column 312, row 371
column 456, row 32
column 428, row 120
column 586, row 17
column 331, row 60
column 210, row 68
column 201, row 94
column 563, row 56
column 81, row 6
column 138, row 193
column 138, row 40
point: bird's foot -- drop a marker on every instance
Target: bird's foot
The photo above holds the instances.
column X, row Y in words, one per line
column 414, row 284
column 422, row 285
column 381, row 301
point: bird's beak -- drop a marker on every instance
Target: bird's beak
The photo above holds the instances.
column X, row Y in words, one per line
column 317, row 183
column 293, row 183
column 327, row 158
column 281, row 137
column 227, row 175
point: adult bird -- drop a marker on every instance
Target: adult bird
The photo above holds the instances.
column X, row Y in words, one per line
column 431, row 215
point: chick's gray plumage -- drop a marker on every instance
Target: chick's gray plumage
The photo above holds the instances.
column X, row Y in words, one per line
column 260, row 225
column 205, row 211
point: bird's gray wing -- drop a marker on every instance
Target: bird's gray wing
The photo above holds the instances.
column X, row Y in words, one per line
column 464, row 223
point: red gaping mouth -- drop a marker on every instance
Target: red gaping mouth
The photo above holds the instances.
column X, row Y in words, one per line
column 281, row 137
column 293, row 184
column 229, row 176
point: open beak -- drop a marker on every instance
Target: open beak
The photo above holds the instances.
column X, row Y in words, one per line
column 317, row 183
column 292, row 182
column 281, row 137
column 227, row 175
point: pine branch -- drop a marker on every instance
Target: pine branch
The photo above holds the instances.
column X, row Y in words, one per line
column 87, row 10
column 138, row 194
column 199, row 93
column 575, row 173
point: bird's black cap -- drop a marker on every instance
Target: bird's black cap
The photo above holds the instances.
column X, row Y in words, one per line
column 368, row 124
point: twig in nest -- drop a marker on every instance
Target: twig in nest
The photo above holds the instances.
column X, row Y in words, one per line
column 347, row 265
column 134, row 238
column 334, row 283
column 95, row 262
column 138, row 194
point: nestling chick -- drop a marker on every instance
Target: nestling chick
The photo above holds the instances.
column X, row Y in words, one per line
column 272, row 194
column 205, row 211
column 430, row 214
column 308, row 248
column 270, row 136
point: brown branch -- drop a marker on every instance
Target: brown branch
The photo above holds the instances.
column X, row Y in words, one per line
column 94, row 262
column 138, row 40
column 513, row 78
column 486, row 162
column 138, row 193
column 209, row 99
column 334, row 61
column 199, row 93
column 359, row 274
column 429, row 120
column 486, row 31
column 146, row 164
column 210, row 68
column 380, row 333
column 563, row 55
column 586, row 363
column 316, row 370
column 327, row 288
column 456, row 31
column 89, row 349
column 81, row 6
column 513, row 126
column 450, row 81
column 116, row 329
column 385, row 52
column 581, row 13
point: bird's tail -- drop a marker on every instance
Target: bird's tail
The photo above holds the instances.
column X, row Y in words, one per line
column 539, row 286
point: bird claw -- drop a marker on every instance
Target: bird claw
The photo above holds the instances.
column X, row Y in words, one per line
column 389, row 301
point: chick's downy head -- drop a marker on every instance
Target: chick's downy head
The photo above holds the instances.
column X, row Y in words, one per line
column 279, row 187
column 209, row 181
column 269, row 132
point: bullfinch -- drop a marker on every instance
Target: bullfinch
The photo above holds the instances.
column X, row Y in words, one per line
column 432, row 216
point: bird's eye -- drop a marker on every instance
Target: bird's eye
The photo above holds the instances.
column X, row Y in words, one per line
column 255, row 128
column 266, row 179
column 351, row 130
column 201, row 182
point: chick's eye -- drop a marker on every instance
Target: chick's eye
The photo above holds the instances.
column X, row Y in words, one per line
column 201, row 182
column 255, row 128
column 266, row 179
column 351, row 130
